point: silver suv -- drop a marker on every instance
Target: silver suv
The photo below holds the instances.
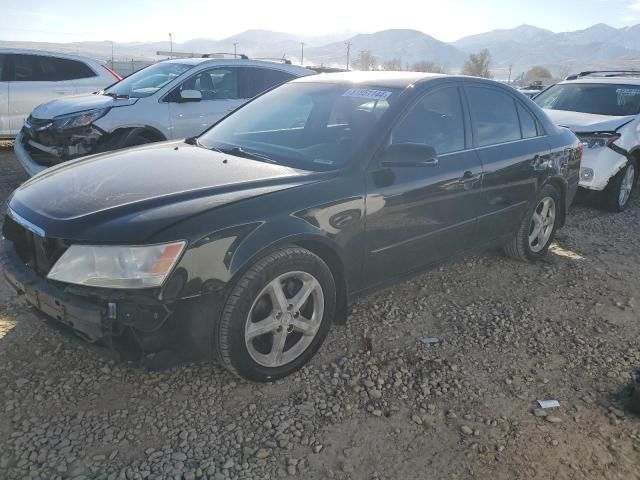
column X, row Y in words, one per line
column 30, row 77
column 168, row 100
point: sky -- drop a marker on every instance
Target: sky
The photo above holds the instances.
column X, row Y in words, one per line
column 152, row 20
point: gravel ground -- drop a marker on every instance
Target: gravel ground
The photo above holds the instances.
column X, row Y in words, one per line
column 374, row 403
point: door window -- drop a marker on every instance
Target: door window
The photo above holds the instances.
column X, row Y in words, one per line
column 257, row 80
column 528, row 124
column 494, row 116
column 3, row 71
column 214, row 84
column 436, row 120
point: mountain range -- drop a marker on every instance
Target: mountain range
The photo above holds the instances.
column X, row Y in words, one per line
column 519, row 48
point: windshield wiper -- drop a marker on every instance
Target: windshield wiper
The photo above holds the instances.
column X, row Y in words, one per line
column 241, row 152
column 116, row 96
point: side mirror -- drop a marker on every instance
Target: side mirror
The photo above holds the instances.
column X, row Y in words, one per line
column 409, row 155
column 190, row 95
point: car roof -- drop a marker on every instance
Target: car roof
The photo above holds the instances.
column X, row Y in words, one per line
column 614, row 80
column 372, row 79
column 381, row 79
column 47, row 53
column 241, row 61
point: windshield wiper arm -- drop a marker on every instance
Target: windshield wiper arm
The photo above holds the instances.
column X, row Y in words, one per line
column 241, row 152
column 116, row 96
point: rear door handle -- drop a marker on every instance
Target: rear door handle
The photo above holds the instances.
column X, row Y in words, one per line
column 469, row 177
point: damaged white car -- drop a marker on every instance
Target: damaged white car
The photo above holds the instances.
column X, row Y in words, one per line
column 172, row 99
column 603, row 110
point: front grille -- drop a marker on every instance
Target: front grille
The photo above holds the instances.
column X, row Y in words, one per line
column 38, row 253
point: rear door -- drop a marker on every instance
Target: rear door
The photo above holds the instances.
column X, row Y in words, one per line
column 514, row 154
column 421, row 215
column 4, row 100
column 33, row 79
column 219, row 87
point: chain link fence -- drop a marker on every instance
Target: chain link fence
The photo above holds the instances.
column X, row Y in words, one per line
column 125, row 68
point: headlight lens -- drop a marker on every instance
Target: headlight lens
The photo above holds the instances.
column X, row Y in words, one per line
column 117, row 266
column 79, row 119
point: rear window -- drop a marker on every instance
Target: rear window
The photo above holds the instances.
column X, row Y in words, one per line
column 42, row 68
column 596, row 98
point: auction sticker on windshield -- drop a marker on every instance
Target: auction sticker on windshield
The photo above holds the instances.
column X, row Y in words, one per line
column 367, row 93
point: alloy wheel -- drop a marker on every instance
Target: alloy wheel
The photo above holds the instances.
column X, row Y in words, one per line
column 626, row 185
column 284, row 319
column 542, row 223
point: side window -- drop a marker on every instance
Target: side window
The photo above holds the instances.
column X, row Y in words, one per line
column 71, row 69
column 23, row 68
column 257, row 80
column 436, row 120
column 215, row 83
column 494, row 116
column 528, row 124
column 3, row 70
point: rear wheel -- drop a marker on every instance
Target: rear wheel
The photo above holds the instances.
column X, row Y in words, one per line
column 618, row 191
column 277, row 315
column 538, row 228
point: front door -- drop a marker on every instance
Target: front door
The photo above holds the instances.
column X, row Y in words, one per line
column 419, row 215
column 219, row 88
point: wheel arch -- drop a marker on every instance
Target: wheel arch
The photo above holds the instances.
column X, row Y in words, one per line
column 326, row 249
column 561, row 186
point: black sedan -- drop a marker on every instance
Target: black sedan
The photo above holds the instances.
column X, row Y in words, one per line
column 246, row 243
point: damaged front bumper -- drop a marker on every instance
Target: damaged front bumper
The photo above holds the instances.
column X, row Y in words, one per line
column 130, row 325
column 41, row 148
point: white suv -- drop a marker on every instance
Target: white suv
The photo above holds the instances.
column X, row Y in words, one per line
column 603, row 110
column 168, row 100
column 29, row 78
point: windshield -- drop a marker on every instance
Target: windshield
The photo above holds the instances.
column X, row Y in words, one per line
column 313, row 126
column 148, row 80
column 600, row 99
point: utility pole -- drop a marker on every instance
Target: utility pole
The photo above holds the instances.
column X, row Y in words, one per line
column 235, row 49
column 510, row 67
column 302, row 44
column 109, row 41
column 171, row 44
column 348, row 44
column 362, row 60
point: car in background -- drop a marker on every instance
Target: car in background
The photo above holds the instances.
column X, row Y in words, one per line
column 31, row 77
column 603, row 110
column 247, row 242
column 532, row 90
column 171, row 99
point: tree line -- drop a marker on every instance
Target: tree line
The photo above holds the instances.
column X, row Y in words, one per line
column 476, row 65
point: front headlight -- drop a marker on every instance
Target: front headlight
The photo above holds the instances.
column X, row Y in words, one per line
column 79, row 119
column 117, row 266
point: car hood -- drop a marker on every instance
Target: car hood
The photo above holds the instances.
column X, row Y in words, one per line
column 130, row 195
column 78, row 103
column 587, row 122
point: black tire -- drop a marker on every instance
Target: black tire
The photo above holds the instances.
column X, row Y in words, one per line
column 135, row 138
column 229, row 334
column 611, row 195
column 519, row 246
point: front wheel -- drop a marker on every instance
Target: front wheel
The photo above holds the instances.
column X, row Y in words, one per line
column 538, row 228
column 618, row 191
column 277, row 315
